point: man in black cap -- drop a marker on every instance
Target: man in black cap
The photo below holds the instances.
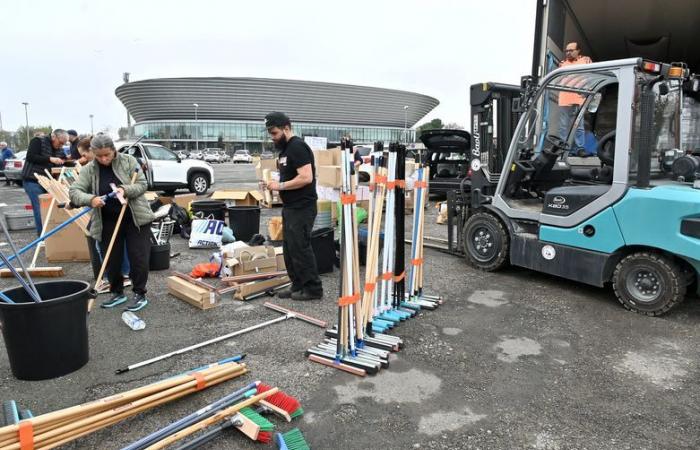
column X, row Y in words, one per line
column 73, row 139
column 297, row 188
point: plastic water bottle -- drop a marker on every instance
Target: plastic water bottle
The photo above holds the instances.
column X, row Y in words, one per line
column 133, row 321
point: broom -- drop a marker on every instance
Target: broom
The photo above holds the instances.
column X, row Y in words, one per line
column 291, row 440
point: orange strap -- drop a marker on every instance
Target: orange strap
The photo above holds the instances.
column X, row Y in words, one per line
column 26, row 435
column 386, row 276
column 380, row 179
column 347, row 199
column 369, row 287
column 421, row 184
column 401, row 183
column 400, row 277
column 201, row 382
column 349, row 299
column 417, row 261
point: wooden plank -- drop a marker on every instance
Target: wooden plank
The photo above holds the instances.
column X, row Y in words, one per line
column 188, row 292
column 256, row 287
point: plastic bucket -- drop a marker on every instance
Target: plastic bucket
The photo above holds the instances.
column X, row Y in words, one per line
column 322, row 242
column 160, row 257
column 206, row 209
column 48, row 339
column 244, row 221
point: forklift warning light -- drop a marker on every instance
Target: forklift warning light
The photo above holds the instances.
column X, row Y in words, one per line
column 676, row 72
column 651, row 67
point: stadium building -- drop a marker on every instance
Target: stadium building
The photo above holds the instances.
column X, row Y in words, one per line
column 186, row 113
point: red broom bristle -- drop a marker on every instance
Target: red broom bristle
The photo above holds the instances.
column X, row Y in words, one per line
column 280, row 399
column 265, row 437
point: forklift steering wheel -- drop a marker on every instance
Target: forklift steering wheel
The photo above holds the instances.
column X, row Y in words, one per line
column 558, row 144
column 606, row 149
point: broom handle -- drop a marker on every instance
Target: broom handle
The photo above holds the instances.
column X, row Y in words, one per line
column 218, row 417
column 98, row 405
column 93, row 422
column 45, row 225
column 114, row 235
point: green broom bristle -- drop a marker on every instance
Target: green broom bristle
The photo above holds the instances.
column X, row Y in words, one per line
column 292, row 440
column 298, row 413
column 257, row 419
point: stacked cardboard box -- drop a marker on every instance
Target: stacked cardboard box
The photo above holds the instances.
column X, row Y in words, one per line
column 69, row 244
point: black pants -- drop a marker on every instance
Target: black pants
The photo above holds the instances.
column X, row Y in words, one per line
column 138, row 246
column 298, row 254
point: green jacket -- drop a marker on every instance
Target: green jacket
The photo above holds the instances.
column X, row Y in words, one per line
column 86, row 188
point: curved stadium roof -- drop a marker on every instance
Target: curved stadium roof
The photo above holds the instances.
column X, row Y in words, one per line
column 252, row 98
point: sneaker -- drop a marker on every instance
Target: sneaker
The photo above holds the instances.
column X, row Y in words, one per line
column 138, row 302
column 286, row 293
column 116, row 300
column 304, row 295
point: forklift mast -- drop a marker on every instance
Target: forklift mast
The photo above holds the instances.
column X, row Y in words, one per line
column 495, row 111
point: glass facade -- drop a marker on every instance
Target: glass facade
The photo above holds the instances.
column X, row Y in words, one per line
column 181, row 134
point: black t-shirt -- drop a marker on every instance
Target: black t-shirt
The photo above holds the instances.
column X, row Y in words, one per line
column 74, row 153
column 294, row 155
column 110, row 210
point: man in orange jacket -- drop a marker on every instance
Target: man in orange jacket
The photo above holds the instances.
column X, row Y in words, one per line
column 569, row 102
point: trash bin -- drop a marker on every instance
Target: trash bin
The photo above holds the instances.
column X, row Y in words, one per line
column 244, row 221
column 48, row 339
column 322, row 242
column 205, row 209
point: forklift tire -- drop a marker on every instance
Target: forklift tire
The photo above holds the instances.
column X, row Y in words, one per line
column 649, row 283
column 486, row 242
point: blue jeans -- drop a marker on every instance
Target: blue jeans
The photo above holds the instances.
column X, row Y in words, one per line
column 126, row 267
column 34, row 190
column 567, row 115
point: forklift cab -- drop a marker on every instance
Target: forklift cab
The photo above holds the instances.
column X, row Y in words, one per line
column 622, row 209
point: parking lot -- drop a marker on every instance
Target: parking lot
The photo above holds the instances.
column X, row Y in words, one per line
column 511, row 360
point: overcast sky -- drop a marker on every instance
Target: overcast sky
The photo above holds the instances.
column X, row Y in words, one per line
column 66, row 57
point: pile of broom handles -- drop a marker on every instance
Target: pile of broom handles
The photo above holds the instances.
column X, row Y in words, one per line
column 60, row 427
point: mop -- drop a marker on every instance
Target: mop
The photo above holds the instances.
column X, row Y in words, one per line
column 399, row 233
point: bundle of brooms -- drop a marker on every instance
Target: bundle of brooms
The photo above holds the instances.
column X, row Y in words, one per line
column 60, row 427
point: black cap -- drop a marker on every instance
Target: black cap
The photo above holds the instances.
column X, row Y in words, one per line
column 72, row 132
column 277, row 119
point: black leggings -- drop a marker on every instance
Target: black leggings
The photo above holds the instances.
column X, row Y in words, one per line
column 138, row 247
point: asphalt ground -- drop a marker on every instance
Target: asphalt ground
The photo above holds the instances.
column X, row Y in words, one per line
column 511, row 360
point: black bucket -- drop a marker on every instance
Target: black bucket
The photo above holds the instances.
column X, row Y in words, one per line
column 322, row 242
column 244, row 221
column 209, row 209
column 160, row 257
column 48, row 339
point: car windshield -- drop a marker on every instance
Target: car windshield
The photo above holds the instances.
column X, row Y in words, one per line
column 241, row 152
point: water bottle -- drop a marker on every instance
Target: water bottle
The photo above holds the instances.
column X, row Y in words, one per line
column 133, row 321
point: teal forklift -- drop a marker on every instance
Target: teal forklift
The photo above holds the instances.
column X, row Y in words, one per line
column 600, row 183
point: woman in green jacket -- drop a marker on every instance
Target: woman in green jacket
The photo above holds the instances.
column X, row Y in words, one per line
column 106, row 168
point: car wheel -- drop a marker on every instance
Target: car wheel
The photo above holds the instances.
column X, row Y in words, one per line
column 649, row 283
column 486, row 242
column 199, row 183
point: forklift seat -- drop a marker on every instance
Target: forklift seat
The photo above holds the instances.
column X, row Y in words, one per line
column 565, row 200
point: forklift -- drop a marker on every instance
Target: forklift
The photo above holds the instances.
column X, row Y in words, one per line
column 628, row 214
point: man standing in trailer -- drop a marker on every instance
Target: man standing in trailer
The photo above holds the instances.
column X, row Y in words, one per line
column 297, row 189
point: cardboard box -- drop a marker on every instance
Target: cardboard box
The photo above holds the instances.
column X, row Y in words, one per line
column 337, row 156
column 279, row 255
column 238, row 197
column 251, row 260
column 329, row 176
column 274, row 228
column 269, row 164
column 69, row 244
column 181, row 200
column 255, row 287
column 190, row 293
column 323, row 158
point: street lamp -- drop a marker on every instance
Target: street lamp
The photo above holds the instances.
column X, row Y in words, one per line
column 196, row 126
column 405, row 124
column 26, row 118
column 92, row 131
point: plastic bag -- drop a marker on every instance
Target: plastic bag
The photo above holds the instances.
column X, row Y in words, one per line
column 206, row 233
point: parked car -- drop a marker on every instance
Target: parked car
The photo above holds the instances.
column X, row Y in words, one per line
column 242, row 156
column 197, row 154
column 13, row 168
column 165, row 171
column 267, row 154
column 223, row 156
column 182, row 154
column 212, row 155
